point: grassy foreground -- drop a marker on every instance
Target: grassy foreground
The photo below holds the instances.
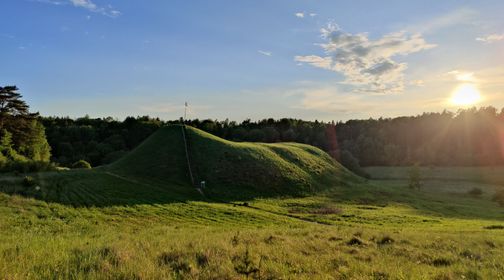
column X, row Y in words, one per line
column 380, row 230
column 121, row 222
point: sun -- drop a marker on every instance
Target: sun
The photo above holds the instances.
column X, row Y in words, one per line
column 466, row 95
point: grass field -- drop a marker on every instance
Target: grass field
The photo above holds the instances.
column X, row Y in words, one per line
column 120, row 223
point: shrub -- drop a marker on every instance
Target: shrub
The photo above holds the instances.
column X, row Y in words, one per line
column 475, row 191
column 81, row 164
column 244, row 265
column 499, row 197
column 415, row 177
column 28, row 181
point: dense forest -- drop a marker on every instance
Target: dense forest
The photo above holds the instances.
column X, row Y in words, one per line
column 98, row 141
column 466, row 138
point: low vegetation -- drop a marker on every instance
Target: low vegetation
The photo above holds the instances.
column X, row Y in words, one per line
column 81, row 164
column 140, row 218
column 399, row 234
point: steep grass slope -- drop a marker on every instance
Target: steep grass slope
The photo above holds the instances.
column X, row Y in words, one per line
column 160, row 158
column 230, row 169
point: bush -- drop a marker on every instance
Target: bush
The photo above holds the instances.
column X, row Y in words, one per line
column 499, row 197
column 415, row 177
column 28, row 181
column 475, row 192
column 81, row 164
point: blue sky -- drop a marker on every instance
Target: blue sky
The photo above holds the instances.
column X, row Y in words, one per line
column 326, row 60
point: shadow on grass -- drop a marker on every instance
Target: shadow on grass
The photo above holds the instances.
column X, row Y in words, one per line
column 98, row 188
column 102, row 187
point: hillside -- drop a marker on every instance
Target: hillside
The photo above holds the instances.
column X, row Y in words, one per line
column 157, row 172
column 230, row 169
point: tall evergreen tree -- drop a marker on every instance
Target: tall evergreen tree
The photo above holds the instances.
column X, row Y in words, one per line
column 20, row 129
column 11, row 105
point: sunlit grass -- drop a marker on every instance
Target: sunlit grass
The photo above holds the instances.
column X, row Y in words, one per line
column 377, row 230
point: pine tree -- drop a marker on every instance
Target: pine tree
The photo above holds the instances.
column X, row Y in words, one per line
column 22, row 135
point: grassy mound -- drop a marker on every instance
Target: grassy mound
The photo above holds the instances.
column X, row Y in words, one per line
column 230, row 169
column 157, row 172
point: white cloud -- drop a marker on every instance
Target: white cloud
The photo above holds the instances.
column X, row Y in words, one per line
column 492, row 38
column 52, row 2
column 304, row 14
column 85, row 4
column 462, row 76
column 266, row 53
column 366, row 63
column 330, row 101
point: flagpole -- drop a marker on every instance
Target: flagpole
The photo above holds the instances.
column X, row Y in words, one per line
column 185, row 111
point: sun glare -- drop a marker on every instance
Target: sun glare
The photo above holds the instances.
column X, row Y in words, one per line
column 465, row 95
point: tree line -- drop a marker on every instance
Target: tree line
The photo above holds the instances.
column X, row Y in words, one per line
column 97, row 141
column 470, row 137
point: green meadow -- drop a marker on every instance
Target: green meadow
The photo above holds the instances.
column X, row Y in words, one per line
column 269, row 211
